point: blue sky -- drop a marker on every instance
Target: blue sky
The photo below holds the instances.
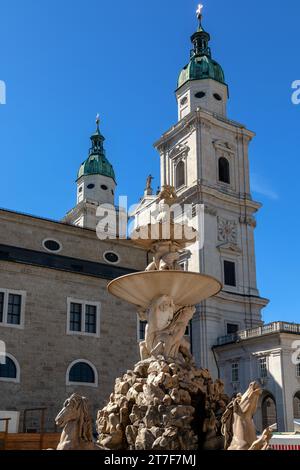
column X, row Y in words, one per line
column 64, row 61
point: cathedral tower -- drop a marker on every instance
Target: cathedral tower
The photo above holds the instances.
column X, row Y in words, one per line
column 205, row 157
column 96, row 183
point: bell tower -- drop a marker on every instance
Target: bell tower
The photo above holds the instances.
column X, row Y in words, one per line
column 201, row 82
column 205, row 157
column 96, row 183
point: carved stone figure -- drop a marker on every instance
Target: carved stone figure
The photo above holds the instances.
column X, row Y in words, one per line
column 148, row 189
column 165, row 257
column 149, row 181
column 263, row 442
column 175, row 332
column 159, row 317
column 76, row 422
column 237, row 422
column 168, row 193
column 164, row 333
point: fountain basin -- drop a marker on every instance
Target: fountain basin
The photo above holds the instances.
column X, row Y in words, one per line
column 185, row 288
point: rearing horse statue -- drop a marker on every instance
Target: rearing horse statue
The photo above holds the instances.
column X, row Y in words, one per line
column 77, row 425
column 237, row 422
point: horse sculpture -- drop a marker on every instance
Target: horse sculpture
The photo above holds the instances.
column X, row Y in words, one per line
column 77, row 425
column 237, row 422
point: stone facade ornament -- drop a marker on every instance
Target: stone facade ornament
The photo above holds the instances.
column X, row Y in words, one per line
column 179, row 152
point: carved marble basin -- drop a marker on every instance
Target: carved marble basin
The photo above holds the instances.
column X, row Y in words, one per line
column 185, row 288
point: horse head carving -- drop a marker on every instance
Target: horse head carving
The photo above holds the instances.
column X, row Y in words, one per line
column 237, row 422
column 76, row 422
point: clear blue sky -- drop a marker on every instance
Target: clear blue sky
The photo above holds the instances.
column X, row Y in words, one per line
column 64, row 61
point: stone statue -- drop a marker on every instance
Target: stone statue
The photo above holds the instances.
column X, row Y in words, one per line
column 148, row 182
column 175, row 332
column 263, row 442
column 148, row 189
column 76, row 422
column 159, row 316
column 237, row 422
column 164, row 333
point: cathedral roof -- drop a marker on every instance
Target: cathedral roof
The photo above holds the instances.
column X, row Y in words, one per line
column 201, row 65
column 97, row 163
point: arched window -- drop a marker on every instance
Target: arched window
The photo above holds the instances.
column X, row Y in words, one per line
column 224, row 170
column 82, row 372
column 10, row 370
column 180, row 174
column 296, row 404
column 269, row 412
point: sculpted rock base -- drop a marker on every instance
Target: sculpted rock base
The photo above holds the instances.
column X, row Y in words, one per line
column 163, row 405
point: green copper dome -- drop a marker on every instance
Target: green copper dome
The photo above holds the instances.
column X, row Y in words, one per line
column 201, row 64
column 200, row 68
column 96, row 163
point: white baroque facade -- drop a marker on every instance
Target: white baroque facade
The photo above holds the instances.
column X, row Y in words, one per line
column 269, row 355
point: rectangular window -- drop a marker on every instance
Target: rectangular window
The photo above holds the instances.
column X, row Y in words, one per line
column 142, row 330
column 90, row 318
column 75, row 317
column 14, row 309
column 235, row 376
column 232, row 328
column 83, row 317
column 263, row 370
column 229, row 274
column 1, row 306
column 298, row 370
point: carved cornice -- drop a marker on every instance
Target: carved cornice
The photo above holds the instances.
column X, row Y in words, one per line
column 224, row 147
column 207, row 119
column 202, row 191
column 179, row 152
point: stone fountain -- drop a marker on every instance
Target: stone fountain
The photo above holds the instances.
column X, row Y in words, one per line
column 165, row 402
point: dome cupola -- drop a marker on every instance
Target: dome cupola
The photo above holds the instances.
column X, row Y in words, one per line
column 201, row 65
column 97, row 163
column 201, row 83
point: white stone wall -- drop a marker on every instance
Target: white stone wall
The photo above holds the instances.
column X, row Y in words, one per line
column 187, row 101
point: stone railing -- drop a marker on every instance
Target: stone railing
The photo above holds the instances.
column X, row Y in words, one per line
column 276, row 327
